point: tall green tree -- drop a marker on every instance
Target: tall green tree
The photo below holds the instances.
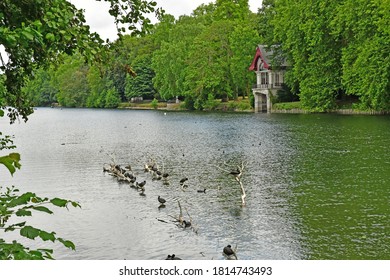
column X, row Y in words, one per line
column 172, row 59
column 243, row 42
column 141, row 84
column 363, row 27
column 71, row 79
column 208, row 71
column 102, row 92
column 41, row 89
column 303, row 29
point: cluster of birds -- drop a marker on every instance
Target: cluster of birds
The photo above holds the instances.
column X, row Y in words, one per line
column 125, row 174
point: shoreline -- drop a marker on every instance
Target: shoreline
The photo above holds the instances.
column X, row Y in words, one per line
column 273, row 111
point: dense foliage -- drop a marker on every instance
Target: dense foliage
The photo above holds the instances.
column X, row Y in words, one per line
column 335, row 48
column 36, row 33
column 167, row 61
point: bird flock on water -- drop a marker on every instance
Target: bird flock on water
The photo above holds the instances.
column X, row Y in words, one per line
column 126, row 174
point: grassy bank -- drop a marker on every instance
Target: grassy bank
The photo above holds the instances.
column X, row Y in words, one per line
column 342, row 107
column 241, row 105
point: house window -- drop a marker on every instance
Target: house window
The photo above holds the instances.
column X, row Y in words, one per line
column 264, row 78
column 277, row 79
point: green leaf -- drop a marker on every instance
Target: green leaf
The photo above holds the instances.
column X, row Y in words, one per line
column 29, row 232
column 22, row 199
column 23, row 212
column 47, row 236
column 12, row 227
column 42, row 209
column 11, row 162
column 50, row 36
column 67, row 243
column 59, row 202
column 75, row 204
column 28, row 35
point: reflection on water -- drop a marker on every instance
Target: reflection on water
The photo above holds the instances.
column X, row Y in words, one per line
column 317, row 185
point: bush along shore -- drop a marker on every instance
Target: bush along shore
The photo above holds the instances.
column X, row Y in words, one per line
column 244, row 105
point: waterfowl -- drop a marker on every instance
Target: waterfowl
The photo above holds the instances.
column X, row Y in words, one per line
column 235, row 172
column 228, row 251
column 186, row 224
column 183, row 180
column 172, row 257
column 142, row 184
column 202, row 191
column 165, row 175
column 161, row 200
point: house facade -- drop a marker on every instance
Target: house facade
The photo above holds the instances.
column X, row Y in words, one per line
column 268, row 79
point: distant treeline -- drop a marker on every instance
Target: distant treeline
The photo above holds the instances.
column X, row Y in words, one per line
column 335, row 49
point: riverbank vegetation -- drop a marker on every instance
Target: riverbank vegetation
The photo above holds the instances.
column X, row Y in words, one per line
column 335, row 51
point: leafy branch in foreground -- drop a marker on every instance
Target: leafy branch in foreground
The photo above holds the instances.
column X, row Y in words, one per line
column 13, row 205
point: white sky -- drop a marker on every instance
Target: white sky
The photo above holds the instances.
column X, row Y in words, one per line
column 100, row 21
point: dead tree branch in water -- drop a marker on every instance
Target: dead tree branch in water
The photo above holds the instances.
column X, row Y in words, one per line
column 237, row 173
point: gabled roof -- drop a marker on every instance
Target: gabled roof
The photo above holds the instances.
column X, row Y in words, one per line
column 265, row 56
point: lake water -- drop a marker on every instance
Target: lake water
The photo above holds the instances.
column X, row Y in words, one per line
column 318, row 186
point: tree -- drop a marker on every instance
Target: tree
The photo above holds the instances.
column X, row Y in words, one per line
column 304, row 31
column 34, row 35
column 208, row 70
column 141, row 84
column 75, row 93
column 243, row 42
column 363, row 28
column 231, row 10
column 171, row 60
column 41, row 90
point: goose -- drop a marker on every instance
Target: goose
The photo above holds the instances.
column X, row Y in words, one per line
column 202, row 191
column 161, row 200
